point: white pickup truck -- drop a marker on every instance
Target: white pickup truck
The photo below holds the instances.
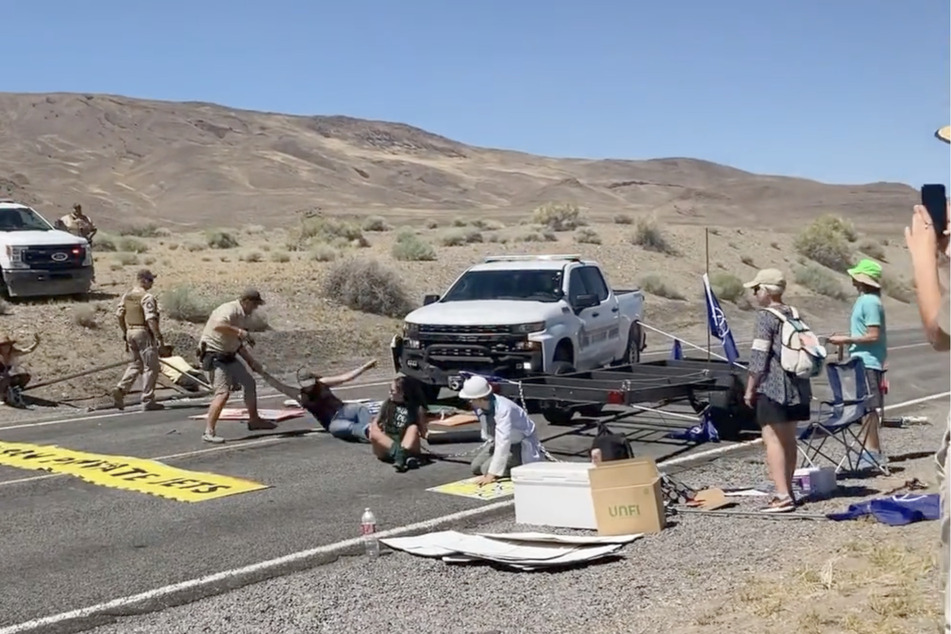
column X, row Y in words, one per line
column 38, row 260
column 515, row 315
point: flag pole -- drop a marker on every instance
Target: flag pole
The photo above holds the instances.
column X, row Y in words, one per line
column 706, row 268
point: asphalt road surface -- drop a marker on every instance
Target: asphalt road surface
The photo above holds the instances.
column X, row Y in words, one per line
column 67, row 544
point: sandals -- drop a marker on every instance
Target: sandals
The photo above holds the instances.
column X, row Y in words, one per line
column 780, row 504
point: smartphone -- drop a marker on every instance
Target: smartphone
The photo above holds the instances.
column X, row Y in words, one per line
column 934, row 199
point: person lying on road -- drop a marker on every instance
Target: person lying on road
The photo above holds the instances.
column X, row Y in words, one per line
column 346, row 421
column 396, row 431
column 510, row 435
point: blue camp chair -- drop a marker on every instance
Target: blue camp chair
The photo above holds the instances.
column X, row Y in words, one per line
column 836, row 419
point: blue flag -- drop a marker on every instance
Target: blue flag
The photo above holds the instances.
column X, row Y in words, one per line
column 716, row 321
column 705, row 431
column 895, row 510
column 677, row 352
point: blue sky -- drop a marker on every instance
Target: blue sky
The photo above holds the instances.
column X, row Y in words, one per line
column 841, row 91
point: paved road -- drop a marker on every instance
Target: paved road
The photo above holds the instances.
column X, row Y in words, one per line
column 68, row 544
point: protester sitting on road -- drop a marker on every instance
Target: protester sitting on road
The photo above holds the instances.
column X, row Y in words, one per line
column 508, row 432
column 778, row 397
column 13, row 378
column 396, row 431
column 868, row 340
column 223, row 340
column 346, row 421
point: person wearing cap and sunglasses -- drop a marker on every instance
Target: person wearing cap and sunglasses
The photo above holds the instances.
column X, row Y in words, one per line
column 138, row 317
column 780, row 399
column 867, row 340
column 224, row 339
column 508, row 432
column 930, row 250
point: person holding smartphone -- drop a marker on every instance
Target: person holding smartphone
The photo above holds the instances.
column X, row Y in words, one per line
column 928, row 244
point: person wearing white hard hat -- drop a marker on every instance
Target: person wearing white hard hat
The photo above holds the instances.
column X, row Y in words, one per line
column 509, row 433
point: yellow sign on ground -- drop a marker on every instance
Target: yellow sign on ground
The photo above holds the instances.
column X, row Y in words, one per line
column 121, row 472
column 469, row 489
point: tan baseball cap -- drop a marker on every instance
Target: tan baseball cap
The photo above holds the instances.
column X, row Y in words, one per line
column 770, row 277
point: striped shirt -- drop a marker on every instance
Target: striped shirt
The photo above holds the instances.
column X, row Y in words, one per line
column 773, row 382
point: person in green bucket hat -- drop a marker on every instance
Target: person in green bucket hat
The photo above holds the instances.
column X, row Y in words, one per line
column 867, row 339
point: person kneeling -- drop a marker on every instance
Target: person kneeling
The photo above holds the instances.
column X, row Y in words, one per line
column 396, row 431
column 510, row 435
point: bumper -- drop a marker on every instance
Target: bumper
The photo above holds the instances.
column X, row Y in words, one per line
column 42, row 283
column 434, row 369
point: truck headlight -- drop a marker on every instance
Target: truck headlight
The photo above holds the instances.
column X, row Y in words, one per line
column 410, row 330
column 15, row 255
column 87, row 255
column 524, row 329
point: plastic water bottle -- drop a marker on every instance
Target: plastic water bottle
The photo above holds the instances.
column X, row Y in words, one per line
column 368, row 532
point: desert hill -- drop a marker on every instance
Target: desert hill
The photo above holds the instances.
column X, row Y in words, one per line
column 190, row 165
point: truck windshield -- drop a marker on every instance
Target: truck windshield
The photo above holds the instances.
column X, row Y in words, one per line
column 534, row 286
column 22, row 219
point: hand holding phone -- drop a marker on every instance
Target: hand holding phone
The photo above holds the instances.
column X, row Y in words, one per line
column 934, row 199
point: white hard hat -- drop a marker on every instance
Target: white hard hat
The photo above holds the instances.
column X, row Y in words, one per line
column 475, row 387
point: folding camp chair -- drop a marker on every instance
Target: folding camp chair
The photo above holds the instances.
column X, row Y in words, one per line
column 836, row 418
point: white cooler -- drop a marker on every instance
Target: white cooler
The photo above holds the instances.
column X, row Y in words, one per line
column 554, row 494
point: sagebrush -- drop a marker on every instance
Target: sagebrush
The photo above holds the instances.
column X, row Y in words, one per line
column 368, row 286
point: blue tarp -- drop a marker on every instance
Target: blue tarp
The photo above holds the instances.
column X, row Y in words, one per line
column 895, row 510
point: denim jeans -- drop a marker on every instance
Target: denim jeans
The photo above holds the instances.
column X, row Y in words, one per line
column 351, row 422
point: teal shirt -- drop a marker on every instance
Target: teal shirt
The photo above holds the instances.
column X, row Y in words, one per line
column 868, row 311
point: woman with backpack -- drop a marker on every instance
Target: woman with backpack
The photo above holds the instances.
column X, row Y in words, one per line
column 779, row 398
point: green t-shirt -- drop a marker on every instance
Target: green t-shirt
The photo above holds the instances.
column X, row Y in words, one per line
column 397, row 417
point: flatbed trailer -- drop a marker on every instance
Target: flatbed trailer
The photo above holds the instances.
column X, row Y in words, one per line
column 702, row 384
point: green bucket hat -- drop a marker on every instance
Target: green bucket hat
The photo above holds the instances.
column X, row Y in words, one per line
column 867, row 272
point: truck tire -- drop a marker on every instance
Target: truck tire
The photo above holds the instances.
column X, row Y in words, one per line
column 632, row 352
column 558, row 412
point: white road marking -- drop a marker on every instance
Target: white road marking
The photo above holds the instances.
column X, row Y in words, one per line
column 337, row 547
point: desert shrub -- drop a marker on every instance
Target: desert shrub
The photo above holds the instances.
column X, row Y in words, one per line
column 727, row 287
column 280, row 257
column 535, row 235
column 587, row 235
column 487, row 224
column 84, row 315
column 459, row 237
column 144, row 231
column 649, row 236
column 148, row 260
column 221, row 240
column 330, row 230
column 367, row 286
column 193, row 247
column 130, row 244
column 654, row 285
column 183, row 303
column 375, row 223
column 748, row 260
column 460, row 222
column 558, row 216
column 323, row 253
column 127, row 259
column 432, row 224
column 873, row 250
column 820, row 281
column 826, row 241
column 623, row 219
column 252, row 230
column 897, row 289
column 251, row 256
column 104, row 242
column 411, row 248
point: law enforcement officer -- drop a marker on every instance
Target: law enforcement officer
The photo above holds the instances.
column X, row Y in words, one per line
column 224, row 342
column 79, row 223
column 138, row 317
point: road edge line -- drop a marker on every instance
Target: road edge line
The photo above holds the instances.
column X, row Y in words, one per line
column 192, row 590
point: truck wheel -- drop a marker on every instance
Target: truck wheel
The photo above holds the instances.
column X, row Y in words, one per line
column 632, row 356
column 558, row 412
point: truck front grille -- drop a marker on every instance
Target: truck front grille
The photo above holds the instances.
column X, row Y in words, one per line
column 54, row 257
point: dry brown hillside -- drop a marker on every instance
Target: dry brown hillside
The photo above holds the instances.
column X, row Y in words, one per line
column 197, row 164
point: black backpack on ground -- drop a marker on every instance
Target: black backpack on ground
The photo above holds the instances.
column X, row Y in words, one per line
column 613, row 446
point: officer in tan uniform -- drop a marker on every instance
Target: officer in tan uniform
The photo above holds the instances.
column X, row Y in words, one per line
column 138, row 317
column 224, row 343
column 79, row 224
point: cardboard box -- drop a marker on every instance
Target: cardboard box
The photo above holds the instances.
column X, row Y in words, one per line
column 627, row 497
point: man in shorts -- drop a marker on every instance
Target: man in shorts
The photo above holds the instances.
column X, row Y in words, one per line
column 224, row 339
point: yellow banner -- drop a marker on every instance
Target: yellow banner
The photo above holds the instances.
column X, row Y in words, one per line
column 469, row 489
column 121, row 472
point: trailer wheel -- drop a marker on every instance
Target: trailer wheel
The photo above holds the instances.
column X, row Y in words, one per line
column 558, row 412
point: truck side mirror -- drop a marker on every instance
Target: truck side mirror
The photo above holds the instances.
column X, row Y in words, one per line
column 430, row 299
column 586, row 301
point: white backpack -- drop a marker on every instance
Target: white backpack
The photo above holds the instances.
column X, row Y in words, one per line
column 802, row 354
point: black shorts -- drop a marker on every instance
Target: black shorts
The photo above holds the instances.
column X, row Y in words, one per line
column 769, row 411
column 874, row 378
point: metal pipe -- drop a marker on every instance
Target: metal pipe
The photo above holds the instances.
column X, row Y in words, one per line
column 76, row 375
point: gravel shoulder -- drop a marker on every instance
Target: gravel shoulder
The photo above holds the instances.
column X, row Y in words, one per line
column 702, row 575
